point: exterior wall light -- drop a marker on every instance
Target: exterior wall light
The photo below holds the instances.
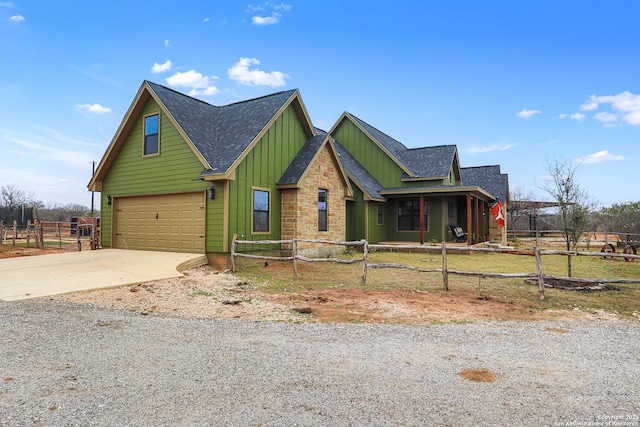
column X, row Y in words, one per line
column 109, row 199
column 212, row 193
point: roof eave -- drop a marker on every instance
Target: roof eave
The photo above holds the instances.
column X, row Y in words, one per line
column 348, row 116
column 478, row 191
column 137, row 105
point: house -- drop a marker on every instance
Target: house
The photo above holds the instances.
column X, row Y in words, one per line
column 184, row 175
column 414, row 194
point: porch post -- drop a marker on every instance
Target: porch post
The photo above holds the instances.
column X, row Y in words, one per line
column 422, row 220
column 483, row 220
column 469, row 232
column 477, row 219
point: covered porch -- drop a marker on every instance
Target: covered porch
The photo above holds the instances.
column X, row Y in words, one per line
column 427, row 214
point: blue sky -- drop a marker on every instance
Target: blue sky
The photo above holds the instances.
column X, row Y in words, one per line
column 510, row 83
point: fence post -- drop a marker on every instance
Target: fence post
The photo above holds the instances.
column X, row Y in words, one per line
column 94, row 244
column 41, row 231
column 445, row 273
column 15, row 231
column 1, row 232
column 365, row 256
column 233, row 253
column 536, row 251
column 28, row 234
column 294, row 254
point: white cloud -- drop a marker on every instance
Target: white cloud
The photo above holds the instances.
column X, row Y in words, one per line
column 52, row 150
column 159, row 68
column 625, row 107
column 94, row 108
column 605, row 117
column 274, row 18
column 600, row 157
column 562, row 116
column 6, row 4
column 242, row 74
column 266, row 20
column 527, row 114
column 205, row 20
column 578, row 116
column 199, row 84
column 283, row 6
column 491, row 148
column 591, row 104
column 16, row 18
column 167, row 43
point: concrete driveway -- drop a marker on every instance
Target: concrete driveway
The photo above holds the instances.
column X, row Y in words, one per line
column 45, row 275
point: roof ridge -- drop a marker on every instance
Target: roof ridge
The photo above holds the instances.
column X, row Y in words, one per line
column 180, row 93
column 260, row 97
column 432, row 146
column 384, row 133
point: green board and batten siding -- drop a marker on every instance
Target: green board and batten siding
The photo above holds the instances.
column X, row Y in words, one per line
column 176, row 169
column 262, row 167
column 365, row 151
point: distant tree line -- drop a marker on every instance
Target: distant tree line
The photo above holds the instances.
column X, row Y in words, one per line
column 12, row 197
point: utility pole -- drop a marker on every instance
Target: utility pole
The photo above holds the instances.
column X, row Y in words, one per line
column 93, row 172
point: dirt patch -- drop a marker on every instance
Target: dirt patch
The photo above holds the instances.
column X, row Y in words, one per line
column 556, row 330
column 9, row 251
column 479, row 375
column 413, row 307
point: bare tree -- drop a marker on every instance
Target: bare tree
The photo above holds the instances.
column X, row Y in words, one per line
column 12, row 196
column 622, row 219
column 574, row 204
column 520, row 205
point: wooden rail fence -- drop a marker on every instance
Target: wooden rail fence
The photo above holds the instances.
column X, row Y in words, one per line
column 538, row 275
column 43, row 234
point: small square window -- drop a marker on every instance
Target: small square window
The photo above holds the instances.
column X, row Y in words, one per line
column 151, row 140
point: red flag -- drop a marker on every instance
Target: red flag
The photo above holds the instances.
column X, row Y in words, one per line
column 498, row 212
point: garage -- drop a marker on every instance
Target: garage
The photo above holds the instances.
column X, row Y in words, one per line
column 167, row 222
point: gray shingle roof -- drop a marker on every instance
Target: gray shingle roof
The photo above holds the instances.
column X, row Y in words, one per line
column 489, row 178
column 303, row 159
column 429, row 162
column 424, row 162
column 358, row 173
column 221, row 134
column 389, row 143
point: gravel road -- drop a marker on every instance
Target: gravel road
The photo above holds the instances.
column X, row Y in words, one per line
column 66, row 364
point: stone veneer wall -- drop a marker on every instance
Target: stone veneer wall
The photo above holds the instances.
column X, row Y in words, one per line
column 300, row 207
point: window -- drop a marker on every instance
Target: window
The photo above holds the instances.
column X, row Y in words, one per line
column 322, row 210
column 151, row 141
column 260, row 211
column 409, row 214
column 380, row 214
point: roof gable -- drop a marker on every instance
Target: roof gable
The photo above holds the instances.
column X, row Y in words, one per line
column 298, row 168
column 431, row 162
column 388, row 145
column 219, row 136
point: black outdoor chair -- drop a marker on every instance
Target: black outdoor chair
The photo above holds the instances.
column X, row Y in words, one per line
column 458, row 233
